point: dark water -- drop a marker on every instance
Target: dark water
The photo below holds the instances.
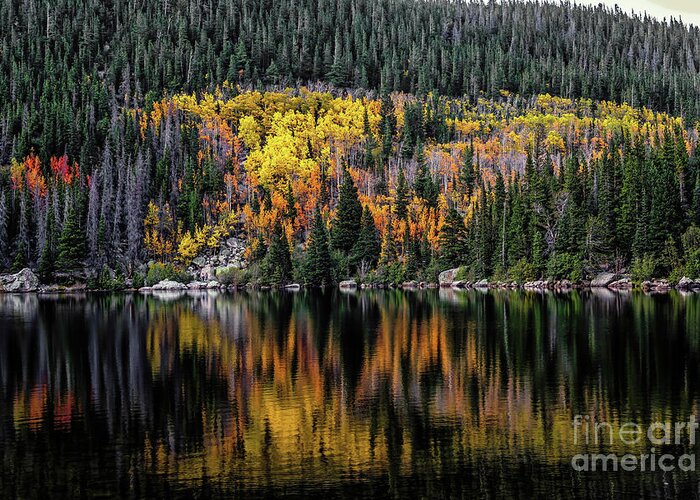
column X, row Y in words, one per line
column 390, row 394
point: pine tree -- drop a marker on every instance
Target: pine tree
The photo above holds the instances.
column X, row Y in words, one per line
column 71, row 244
column 366, row 251
column 22, row 249
column 412, row 255
column 402, row 197
column 348, row 216
column 277, row 265
column 466, row 172
column 425, row 186
column 47, row 259
column 318, row 266
column 4, row 246
column 696, row 200
column 452, row 240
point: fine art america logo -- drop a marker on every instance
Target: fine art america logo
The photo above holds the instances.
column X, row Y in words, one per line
column 656, row 438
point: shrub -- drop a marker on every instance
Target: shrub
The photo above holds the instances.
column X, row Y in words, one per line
column 430, row 273
column 643, row 268
column 138, row 280
column 522, row 271
column 464, row 273
column 677, row 273
column 390, row 273
column 565, row 266
column 158, row 272
column 692, row 264
column 106, row 279
column 231, row 276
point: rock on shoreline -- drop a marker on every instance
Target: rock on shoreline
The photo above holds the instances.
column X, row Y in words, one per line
column 23, row 281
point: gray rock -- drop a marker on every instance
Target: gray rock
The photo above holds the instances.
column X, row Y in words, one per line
column 169, row 285
column 603, row 279
column 196, row 285
column 348, row 284
column 213, row 285
column 234, row 243
column 621, row 284
column 293, row 286
column 200, row 262
column 481, row 284
column 23, row 281
column 207, row 273
column 446, row 278
column 409, row 284
column 686, row 283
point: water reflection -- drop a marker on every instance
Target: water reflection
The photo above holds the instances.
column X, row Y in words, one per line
column 372, row 393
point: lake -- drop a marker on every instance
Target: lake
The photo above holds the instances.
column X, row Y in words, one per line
column 435, row 393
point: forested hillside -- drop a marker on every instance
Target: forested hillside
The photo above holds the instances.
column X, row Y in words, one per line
column 387, row 139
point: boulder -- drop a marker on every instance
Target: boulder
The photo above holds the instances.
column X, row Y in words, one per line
column 234, row 243
column 200, row 262
column 621, row 284
column 207, row 273
column 23, row 281
column 686, row 283
column 196, row 285
column 481, row 284
column 348, row 284
column 293, row 286
column 169, row 285
column 564, row 284
column 446, row 278
column 603, row 279
column 410, row 284
column 455, row 284
column 211, row 285
column 661, row 285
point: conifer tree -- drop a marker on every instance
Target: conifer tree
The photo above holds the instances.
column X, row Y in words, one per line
column 348, row 216
column 367, row 248
column 4, row 246
column 402, row 197
column 71, row 244
column 466, row 172
column 278, row 261
column 318, row 266
column 452, row 240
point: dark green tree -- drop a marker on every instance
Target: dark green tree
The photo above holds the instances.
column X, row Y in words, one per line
column 318, row 266
column 277, row 265
column 452, row 240
column 71, row 244
column 403, row 195
column 349, row 213
column 365, row 252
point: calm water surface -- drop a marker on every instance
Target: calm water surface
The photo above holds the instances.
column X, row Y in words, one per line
column 391, row 394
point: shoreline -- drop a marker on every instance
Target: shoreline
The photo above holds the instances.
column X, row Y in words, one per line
column 68, row 291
